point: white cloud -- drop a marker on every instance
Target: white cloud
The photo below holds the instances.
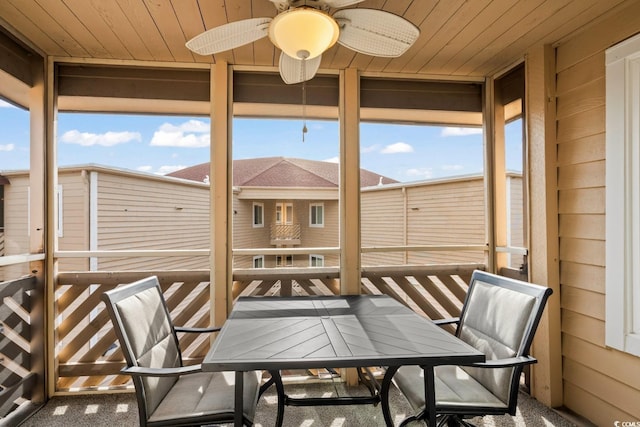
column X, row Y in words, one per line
column 7, row 147
column 452, row 167
column 419, row 173
column 333, row 160
column 107, row 139
column 191, row 134
column 398, row 147
column 146, row 168
column 163, row 170
column 451, row 131
column 370, row 149
column 5, row 104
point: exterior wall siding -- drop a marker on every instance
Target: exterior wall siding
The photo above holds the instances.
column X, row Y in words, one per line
column 16, row 232
column 438, row 213
column 135, row 213
column 599, row 383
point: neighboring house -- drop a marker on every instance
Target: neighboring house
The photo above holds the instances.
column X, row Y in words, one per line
column 278, row 203
column 105, row 208
column 284, row 203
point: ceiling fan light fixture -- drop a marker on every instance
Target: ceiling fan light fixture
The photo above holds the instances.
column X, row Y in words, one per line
column 303, row 33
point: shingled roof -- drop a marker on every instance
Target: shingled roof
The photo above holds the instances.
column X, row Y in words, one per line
column 282, row 172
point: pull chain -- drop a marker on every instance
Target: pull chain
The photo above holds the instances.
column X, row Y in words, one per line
column 304, row 109
column 304, row 98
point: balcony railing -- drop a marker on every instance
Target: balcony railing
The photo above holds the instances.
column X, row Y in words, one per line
column 89, row 360
column 285, row 234
column 19, row 377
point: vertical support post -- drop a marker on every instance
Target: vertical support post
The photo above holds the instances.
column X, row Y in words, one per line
column 350, row 190
column 50, row 236
column 489, row 174
column 499, row 180
column 349, row 182
column 546, row 376
column 39, row 132
column 220, row 193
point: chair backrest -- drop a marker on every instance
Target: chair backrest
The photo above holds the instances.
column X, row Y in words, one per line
column 147, row 338
column 499, row 317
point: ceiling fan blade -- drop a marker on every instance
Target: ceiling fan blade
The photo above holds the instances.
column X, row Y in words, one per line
column 229, row 36
column 295, row 71
column 340, row 3
column 375, row 32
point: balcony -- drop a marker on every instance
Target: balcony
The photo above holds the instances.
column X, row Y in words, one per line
column 285, row 234
column 88, row 359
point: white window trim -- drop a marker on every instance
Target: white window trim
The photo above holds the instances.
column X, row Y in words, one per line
column 253, row 215
column 622, row 328
column 318, row 257
column 60, row 211
column 256, row 258
column 311, row 207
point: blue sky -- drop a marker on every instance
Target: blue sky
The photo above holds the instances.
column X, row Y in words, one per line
column 159, row 144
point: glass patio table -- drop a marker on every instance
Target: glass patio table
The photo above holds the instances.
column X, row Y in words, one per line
column 278, row 333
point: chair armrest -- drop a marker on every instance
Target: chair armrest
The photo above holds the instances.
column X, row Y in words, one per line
column 448, row 321
column 196, row 330
column 505, row 363
column 160, row 372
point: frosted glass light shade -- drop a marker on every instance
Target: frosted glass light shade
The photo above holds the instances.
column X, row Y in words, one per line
column 303, row 33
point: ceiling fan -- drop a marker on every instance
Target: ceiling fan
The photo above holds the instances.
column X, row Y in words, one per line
column 304, row 30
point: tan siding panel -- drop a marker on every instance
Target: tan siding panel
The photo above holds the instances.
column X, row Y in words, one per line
column 611, row 392
column 576, row 325
column 585, row 402
column 582, row 201
column 582, row 251
column 582, row 99
column 588, row 277
column 582, row 226
column 581, row 125
column 584, row 175
column 611, row 363
column 584, row 302
column 582, row 150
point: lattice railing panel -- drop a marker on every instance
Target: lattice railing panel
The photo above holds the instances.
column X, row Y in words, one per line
column 87, row 351
column 87, row 354
column 17, row 378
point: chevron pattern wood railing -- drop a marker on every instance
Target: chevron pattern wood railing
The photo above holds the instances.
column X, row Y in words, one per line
column 17, row 378
column 89, row 359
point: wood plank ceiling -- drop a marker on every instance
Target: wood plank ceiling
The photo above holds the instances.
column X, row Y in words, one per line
column 463, row 38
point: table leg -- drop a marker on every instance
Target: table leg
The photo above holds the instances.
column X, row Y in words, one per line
column 239, row 404
column 430, row 395
column 384, row 394
column 275, row 375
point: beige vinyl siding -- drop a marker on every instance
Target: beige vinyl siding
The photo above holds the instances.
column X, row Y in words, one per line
column 442, row 212
column 516, row 218
column 138, row 213
column 16, row 223
column 600, row 383
column 382, row 224
column 75, row 218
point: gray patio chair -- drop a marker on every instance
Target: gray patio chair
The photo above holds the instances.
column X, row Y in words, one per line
column 168, row 393
column 499, row 317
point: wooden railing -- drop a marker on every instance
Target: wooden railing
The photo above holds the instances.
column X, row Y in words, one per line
column 20, row 349
column 87, row 355
column 285, row 233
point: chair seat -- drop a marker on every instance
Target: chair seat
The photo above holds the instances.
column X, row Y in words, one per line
column 207, row 394
column 454, row 387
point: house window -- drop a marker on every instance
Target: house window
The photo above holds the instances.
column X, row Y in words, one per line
column 284, row 213
column 258, row 261
column 284, row 260
column 316, row 261
column 316, row 215
column 258, row 215
column 622, row 285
